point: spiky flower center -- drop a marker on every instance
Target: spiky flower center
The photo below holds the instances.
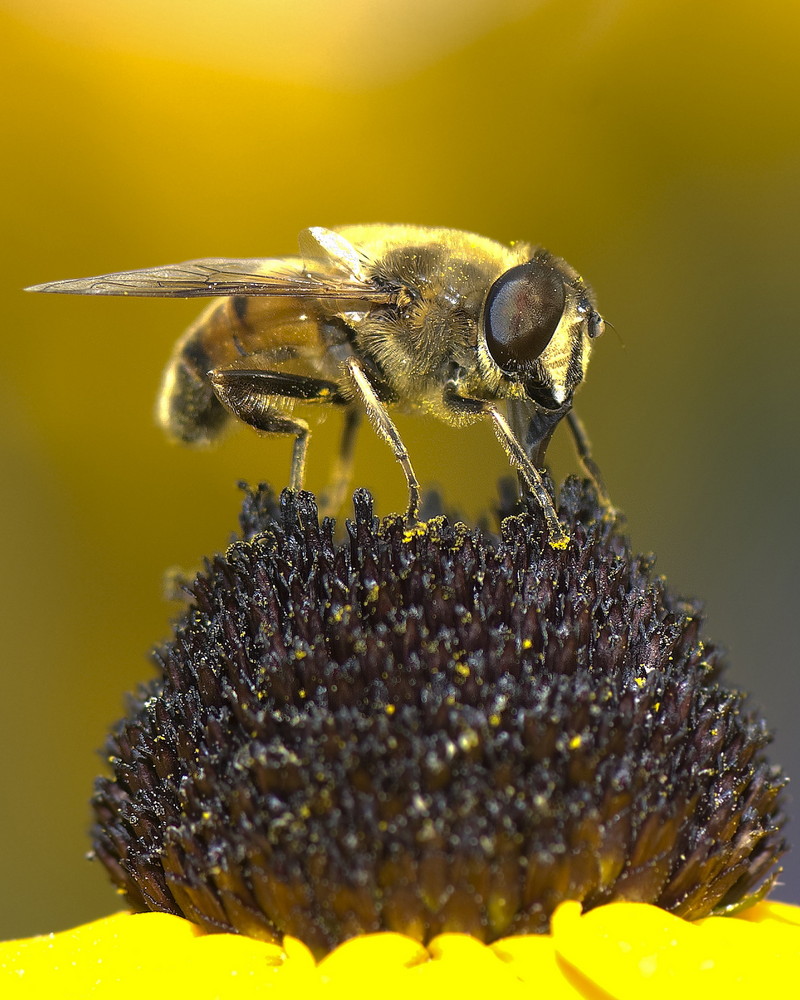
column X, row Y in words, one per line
column 433, row 730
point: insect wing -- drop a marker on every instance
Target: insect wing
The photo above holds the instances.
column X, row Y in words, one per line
column 332, row 250
column 220, row 276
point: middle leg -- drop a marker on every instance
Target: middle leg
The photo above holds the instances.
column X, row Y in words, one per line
column 384, row 425
column 590, row 467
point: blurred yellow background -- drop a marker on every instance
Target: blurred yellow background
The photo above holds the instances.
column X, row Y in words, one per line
column 653, row 143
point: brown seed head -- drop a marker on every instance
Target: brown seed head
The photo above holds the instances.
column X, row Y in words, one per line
column 433, row 730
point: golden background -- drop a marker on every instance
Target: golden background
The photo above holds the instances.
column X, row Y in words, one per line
column 653, row 143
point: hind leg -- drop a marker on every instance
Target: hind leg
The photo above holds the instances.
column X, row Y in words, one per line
column 250, row 395
column 342, row 472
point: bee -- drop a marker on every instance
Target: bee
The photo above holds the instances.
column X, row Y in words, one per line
column 375, row 317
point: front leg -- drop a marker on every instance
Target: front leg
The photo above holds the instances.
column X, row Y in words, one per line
column 590, row 467
column 518, row 457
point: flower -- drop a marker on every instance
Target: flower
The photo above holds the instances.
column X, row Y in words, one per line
column 433, row 730
column 432, row 758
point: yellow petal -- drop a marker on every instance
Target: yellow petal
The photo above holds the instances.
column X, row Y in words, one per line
column 125, row 956
column 623, row 950
column 628, row 948
column 773, row 913
column 533, row 959
column 461, row 966
column 372, row 954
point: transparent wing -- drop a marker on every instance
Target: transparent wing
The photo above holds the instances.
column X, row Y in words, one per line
column 223, row 276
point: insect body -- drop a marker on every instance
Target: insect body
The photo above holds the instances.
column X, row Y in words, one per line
column 372, row 317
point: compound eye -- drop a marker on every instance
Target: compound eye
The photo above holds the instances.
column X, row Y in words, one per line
column 523, row 309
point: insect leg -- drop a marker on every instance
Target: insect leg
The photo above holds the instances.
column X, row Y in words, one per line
column 559, row 539
column 584, row 450
column 341, row 474
column 250, row 395
column 383, row 424
column 518, row 457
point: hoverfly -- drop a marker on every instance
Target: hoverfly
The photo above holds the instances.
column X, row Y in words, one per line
column 374, row 317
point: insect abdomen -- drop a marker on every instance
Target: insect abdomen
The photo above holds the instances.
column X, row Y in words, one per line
column 188, row 408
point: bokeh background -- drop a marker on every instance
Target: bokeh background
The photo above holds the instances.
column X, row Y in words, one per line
column 653, row 143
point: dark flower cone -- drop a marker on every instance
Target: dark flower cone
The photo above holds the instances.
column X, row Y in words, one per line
column 433, row 730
